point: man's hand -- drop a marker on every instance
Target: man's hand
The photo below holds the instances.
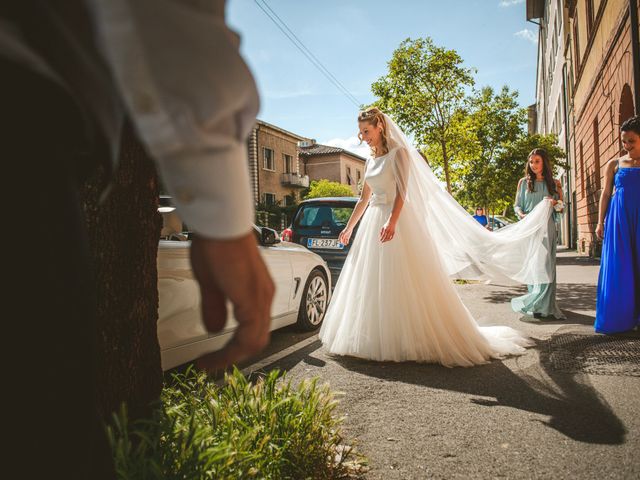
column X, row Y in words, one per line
column 234, row 270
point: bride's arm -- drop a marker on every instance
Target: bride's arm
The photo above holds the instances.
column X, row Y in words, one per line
column 401, row 173
column 358, row 211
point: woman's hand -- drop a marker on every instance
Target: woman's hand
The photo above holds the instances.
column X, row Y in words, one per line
column 553, row 200
column 600, row 231
column 388, row 231
column 345, row 236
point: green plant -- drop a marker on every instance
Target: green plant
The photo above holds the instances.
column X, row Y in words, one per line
column 326, row 188
column 268, row 430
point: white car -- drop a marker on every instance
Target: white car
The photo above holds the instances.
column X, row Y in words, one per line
column 303, row 286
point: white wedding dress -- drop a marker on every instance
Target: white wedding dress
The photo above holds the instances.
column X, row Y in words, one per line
column 395, row 301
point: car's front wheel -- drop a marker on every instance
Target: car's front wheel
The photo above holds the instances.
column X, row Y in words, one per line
column 313, row 304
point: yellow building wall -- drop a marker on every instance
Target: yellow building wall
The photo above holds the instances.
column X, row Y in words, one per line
column 605, row 31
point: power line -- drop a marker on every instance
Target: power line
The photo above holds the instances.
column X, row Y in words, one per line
column 283, row 27
column 310, row 53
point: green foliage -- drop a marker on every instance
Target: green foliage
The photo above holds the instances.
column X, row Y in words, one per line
column 267, row 430
column 475, row 140
column 494, row 122
column 424, row 92
column 510, row 164
column 325, row 188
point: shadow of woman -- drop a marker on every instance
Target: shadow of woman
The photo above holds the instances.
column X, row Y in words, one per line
column 575, row 408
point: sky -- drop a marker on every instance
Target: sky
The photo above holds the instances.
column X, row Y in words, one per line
column 354, row 40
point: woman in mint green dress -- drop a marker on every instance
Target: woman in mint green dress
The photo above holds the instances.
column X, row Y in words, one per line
column 539, row 185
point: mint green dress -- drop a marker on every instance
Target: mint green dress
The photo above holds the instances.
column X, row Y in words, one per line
column 540, row 300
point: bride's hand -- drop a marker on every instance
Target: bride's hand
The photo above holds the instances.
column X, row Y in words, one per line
column 387, row 232
column 345, row 236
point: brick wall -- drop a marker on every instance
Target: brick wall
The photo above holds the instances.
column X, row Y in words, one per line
column 597, row 131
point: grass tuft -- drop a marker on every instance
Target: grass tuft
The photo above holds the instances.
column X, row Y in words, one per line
column 269, row 429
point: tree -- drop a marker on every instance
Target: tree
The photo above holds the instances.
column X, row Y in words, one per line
column 494, row 122
column 510, row 165
column 123, row 235
column 424, row 91
column 325, row 188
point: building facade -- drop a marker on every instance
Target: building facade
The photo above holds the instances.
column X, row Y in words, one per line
column 332, row 163
column 274, row 167
column 597, row 91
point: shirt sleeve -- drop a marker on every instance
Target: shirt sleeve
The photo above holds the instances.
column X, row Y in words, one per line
column 192, row 99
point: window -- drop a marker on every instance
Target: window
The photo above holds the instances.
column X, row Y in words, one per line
column 288, row 163
column 268, row 163
column 589, row 17
column 289, row 200
column 625, row 110
column 269, row 198
column 311, row 215
column 582, row 183
column 349, row 180
column 576, row 42
column 596, row 152
column 358, row 176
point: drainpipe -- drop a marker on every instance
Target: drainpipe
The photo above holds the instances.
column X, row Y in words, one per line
column 635, row 52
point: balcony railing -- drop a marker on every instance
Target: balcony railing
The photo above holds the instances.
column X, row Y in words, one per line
column 295, row 180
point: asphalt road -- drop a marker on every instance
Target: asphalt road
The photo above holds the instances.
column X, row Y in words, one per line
column 525, row 417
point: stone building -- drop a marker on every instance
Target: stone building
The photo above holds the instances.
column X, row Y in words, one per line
column 600, row 69
column 332, row 163
column 274, row 168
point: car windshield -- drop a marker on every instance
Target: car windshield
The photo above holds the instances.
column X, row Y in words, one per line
column 322, row 216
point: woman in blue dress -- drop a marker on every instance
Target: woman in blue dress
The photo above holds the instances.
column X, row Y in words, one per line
column 539, row 185
column 618, row 300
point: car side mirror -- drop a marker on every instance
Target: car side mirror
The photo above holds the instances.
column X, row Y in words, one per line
column 268, row 237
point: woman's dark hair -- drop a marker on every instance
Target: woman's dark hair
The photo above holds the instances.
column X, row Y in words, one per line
column 546, row 171
column 631, row 125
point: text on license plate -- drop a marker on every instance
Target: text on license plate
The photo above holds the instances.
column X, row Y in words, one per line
column 324, row 243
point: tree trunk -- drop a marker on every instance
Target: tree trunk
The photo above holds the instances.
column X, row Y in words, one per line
column 445, row 161
column 123, row 234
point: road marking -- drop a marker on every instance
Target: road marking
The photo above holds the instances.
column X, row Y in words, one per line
column 265, row 362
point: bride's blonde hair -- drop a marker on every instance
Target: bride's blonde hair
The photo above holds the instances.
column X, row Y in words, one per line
column 375, row 117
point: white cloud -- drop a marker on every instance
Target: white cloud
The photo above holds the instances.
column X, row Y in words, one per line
column 351, row 144
column 527, row 35
column 510, row 3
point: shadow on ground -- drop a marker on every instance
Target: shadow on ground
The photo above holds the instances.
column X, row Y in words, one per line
column 573, row 405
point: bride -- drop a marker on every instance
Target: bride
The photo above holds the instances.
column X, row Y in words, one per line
column 395, row 299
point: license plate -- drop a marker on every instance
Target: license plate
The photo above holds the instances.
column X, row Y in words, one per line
column 324, row 243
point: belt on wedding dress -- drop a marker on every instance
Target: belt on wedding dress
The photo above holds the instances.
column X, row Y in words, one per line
column 379, row 199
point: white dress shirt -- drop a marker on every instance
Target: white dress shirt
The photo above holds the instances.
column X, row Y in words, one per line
column 192, row 99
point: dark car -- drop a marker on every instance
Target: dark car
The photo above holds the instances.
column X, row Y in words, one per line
column 317, row 224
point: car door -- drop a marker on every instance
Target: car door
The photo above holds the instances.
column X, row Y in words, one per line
column 278, row 263
column 179, row 317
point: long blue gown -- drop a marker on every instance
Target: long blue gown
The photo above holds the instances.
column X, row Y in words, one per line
column 540, row 299
column 618, row 300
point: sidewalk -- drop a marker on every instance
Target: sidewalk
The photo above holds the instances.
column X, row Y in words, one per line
column 566, row 409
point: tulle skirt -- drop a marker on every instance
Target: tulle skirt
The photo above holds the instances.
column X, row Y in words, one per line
column 394, row 302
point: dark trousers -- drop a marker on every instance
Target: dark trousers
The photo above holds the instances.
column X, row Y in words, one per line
column 49, row 309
